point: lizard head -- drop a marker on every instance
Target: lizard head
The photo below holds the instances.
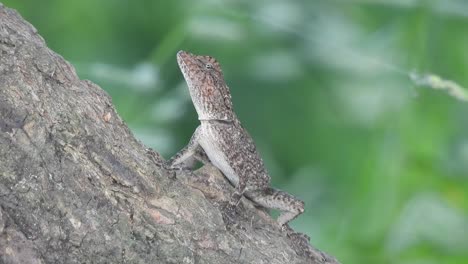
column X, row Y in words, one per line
column 208, row 90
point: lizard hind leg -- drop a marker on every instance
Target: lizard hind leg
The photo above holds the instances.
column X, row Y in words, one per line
column 289, row 205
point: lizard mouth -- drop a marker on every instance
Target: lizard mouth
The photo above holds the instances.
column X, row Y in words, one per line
column 181, row 53
column 182, row 56
column 183, row 59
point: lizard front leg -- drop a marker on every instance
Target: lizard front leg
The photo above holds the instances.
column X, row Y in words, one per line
column 186, row 157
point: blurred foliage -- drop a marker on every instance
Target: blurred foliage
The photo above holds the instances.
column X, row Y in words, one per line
column 324, row 88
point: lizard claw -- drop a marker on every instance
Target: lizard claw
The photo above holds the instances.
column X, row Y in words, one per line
column 171, row 170
column 235, row 199
column 174, row 169
column 229, row 213
column 293, row 234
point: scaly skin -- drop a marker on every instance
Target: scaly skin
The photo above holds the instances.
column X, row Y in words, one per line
column 221, row 140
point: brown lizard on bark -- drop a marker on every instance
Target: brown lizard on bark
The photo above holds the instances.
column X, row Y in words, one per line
column 222, row 141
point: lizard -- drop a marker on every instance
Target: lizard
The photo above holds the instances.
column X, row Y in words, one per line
column 221, row 140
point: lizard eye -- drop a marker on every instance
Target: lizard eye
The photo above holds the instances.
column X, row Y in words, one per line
column 209, row 66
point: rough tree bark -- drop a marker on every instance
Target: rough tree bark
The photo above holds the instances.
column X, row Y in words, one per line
column 77, row 187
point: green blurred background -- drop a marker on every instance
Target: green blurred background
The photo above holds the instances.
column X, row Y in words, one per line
column 323, row 88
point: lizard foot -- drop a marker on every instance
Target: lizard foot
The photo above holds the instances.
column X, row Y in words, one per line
column 173, row 170
column 229, row 214
column 294, row 235
column 302, row 246
column 299, row 236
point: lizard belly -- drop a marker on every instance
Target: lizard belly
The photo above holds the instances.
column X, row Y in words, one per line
column 217, row 157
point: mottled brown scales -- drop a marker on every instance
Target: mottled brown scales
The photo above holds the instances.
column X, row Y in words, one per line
column 222, row 141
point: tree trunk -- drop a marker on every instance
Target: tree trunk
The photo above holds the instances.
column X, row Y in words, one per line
column 77, row 187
